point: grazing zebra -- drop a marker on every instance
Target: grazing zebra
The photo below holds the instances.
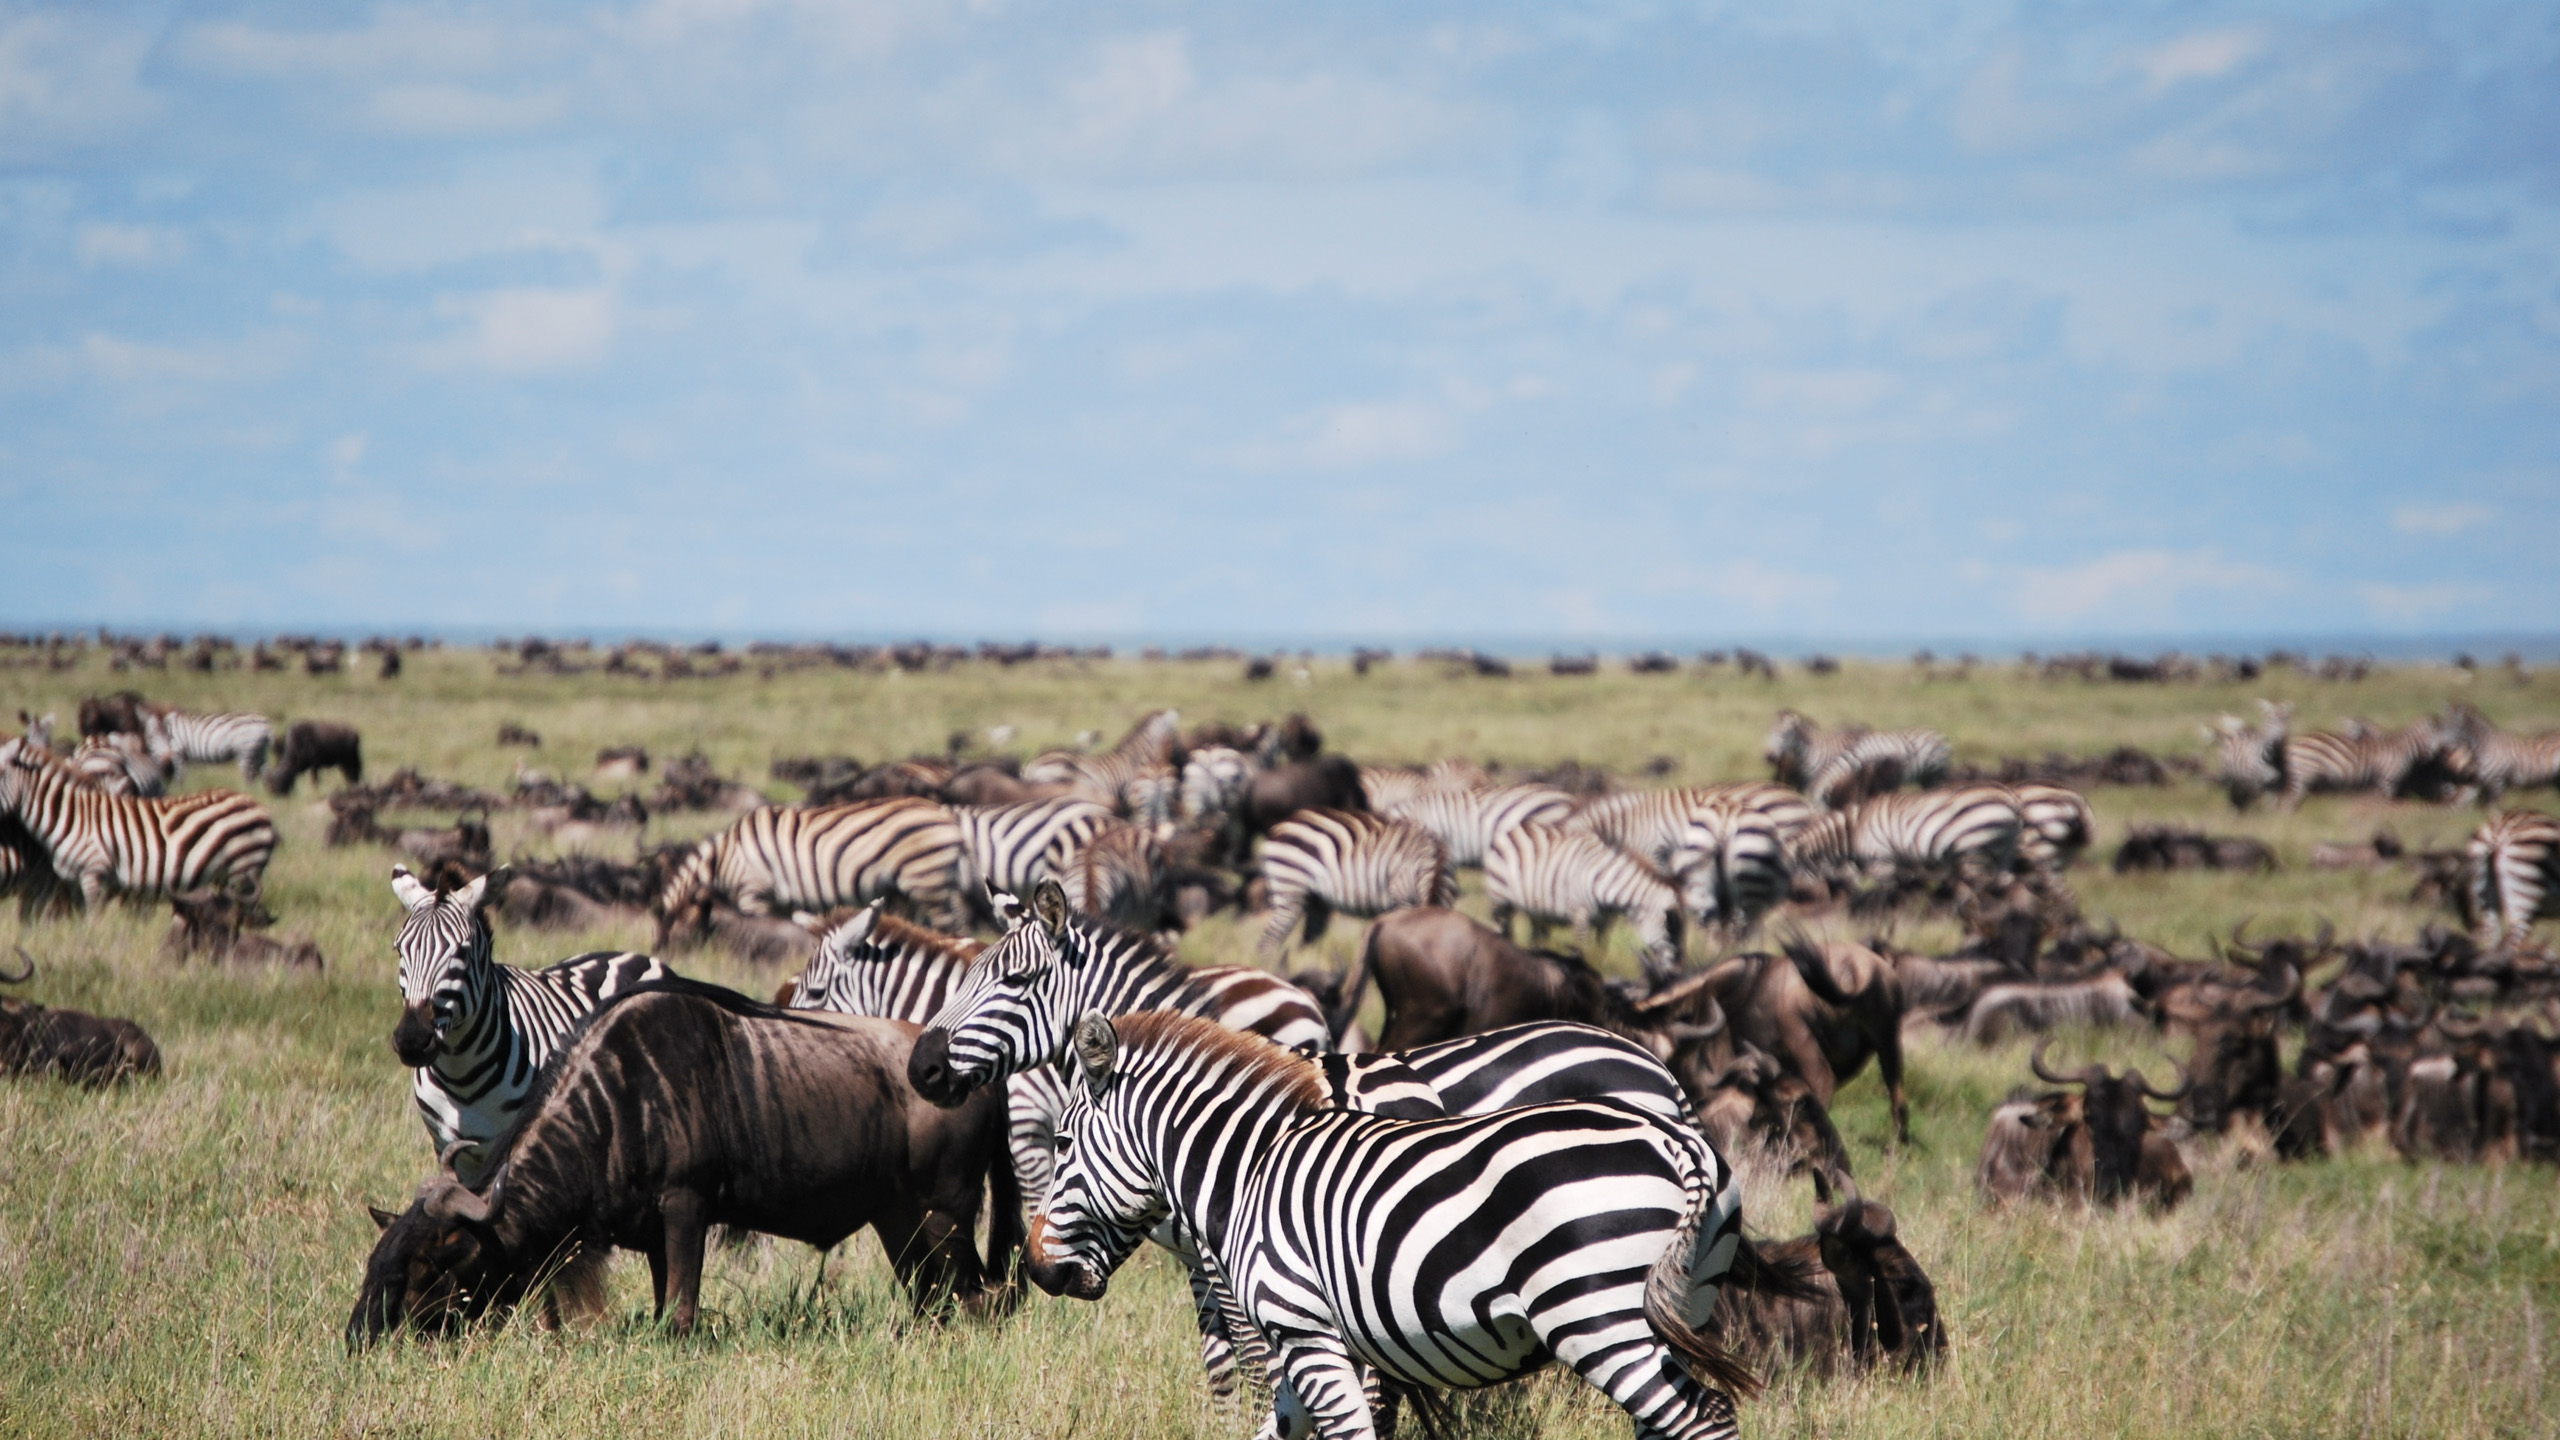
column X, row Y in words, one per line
column 2502, row 761
column 476, row 1031
column 1968, row 825
column 180, row 738
column 1465, row 822
column 1731, row 861
column 1654, row 824
column 1014, row 847
column 877, row 964
column 1552, row 874
column 143, row 849
column 1452, row 1253
column 1837, row 767
column 775, row 859
column 2515, row 875
column 1215, row 780
column 1319, row 861
column 1105, row 778
column 2055, row 824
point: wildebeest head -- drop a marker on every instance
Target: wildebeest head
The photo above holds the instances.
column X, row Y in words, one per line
column 443, row 945
column 2236, row 1066
column 2112, row 1107
column 1892, row 1306
column 436, row 1266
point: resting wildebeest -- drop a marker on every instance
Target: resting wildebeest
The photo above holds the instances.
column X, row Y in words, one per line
column 72, row 1045
column 213, row 923
column 683, row 1106
column 2095, row 1145
column 311, row 746
column 1865, row 1296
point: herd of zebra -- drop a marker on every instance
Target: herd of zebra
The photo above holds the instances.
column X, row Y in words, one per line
column 1357, row 1226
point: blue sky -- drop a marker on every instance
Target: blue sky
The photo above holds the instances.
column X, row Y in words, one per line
column 997, row 319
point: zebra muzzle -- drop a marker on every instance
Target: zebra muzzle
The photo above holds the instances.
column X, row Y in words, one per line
column 929, row 1069
column 414, row 1038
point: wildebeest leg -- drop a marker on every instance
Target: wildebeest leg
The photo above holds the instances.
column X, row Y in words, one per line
column 1889, row 1066
column 679, row 1274
column 1319, row 916
column 921, row 1251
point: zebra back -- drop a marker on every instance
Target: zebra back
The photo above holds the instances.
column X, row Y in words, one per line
column 818, row 859
column 2515, row 875
column 1552, row 874
column 1014, row 847
column 1731, row 862
column 1925, row 827
column 1319, row 861
column 188, row 738
column 1466, row 821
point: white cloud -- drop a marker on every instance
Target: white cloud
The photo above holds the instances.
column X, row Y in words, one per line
column 139, row 246
column 2199, row 55
column 2417, row 604
column 441, row 109
column 1367, row 433
column 523, row 332
column 2139, row 586
column 69, row 80
column 137, row 362
column 2451, row 518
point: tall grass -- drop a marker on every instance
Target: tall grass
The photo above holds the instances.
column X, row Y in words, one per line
column 178, row 1257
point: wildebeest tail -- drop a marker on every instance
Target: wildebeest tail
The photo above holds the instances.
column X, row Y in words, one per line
column 1004, row 1214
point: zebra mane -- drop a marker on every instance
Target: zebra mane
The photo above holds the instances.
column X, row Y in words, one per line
column 1206, row 1042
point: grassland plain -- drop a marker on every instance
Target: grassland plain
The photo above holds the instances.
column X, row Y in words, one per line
column 177, row 1258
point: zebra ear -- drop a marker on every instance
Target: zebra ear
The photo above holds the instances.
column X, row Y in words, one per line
column 842, row 939
column 413, row 896
column 486, row 891
column 1049, row 904
column 1097, row 1047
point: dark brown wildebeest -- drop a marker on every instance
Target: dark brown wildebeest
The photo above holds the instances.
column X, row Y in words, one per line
column 85, row 1049
column 1443, row 975
column 1327, row 782
column 311, row 746
column 2098, row 1144
column 1865, row 1297
column 1823, row 1015
column 685, row 1106
column 123, row 713
column 213, row 923
column 2173, row 847
column 1755, row 1101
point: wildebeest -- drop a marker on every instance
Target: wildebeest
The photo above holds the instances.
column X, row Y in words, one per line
column 311, row 746
column 1327, row 782
column 122, row 713
column 685, row 1106
column 1866, row 1297
column 1823, row 1014
column 1756, row 1102
column 2177, row 847
column 2097, row 1144
column 88, row 1050
column 214, row 923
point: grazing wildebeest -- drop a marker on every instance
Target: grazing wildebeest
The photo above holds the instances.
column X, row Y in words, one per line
column 123, row 713
column 683, row 1106
column 85, row 1049
column 311, row 746
column 2095, row 1145
column 213, row 923
column 1866, row 1297
column 1756, row 1101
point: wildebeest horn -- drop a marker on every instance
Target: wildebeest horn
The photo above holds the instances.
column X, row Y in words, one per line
column 1678, row 990
column 2462, row 1027
column 2292, row 991
column 444, row 1157
column 449, row 1199
column 2238, row 945
column 24, row 975
column 2085, row 1075
column 2186, row 1082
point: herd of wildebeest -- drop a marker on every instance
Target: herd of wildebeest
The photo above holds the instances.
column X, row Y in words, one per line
column 644, row 1108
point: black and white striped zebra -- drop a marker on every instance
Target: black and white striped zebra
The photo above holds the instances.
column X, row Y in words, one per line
column 1121, row 876
column 777, row 860
column 1318, row 862
column 1731, row 863
column 1014, row 847
column 2360, row 758
column 188, row 738
column 2055, row 824
column 2515, row 875
column 1654, row 824
column 1465, row 822
column 115, row 763
column 1104, row 778
column 1215, row 781
column 2249, row 759
column 1558, row 876
column 1968, row 825
column 141, row 849
column 2502, row 760
column 476, row 1032
column 1837, row 767
column 1451, row 1254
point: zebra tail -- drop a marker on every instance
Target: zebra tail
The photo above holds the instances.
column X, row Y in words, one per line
column 1666, row 1298
column 1353, row 989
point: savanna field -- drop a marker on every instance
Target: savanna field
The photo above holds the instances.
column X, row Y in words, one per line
column 178, row 1256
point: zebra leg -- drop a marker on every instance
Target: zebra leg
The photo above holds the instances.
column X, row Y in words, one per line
column 1331, row 1397
column 1285, row 910
column 1217, row 1348
column 93, row 892
column 1641, row 1375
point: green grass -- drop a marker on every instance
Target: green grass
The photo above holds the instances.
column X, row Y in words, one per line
column 178, row 1257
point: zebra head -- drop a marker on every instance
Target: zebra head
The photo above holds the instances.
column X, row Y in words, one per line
column 843, row 975
column 1785, row 747
column 2250, row 758
column 444, row 948
column 1105, row 1197
column 1011, row 1012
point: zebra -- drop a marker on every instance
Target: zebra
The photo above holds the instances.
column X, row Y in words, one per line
column 1654, row 824
column 1011, row 848
column 1553, row 874
column 1730, row 863
column 143, row 849
column 180, row 738
column 2359, row 758
column 1964, row 826
column 2502, row 761
column 1465, row 822
column 1121, row 876
column 1319, row 861
column 2249, row 759
column 1391, row 787
column 119, row 765
column 873, row 963
column 1836, row 767
column 1105, row 778
column 1452, row 1253
column 1014, row 1011
column 1215, row 780
column 2055, row 824
column 2515, row 875
column 477, row 1032
column 776, row 859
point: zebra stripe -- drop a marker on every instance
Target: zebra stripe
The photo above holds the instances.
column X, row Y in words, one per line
column 492, row 1025
column 1119, row 877
column 2363, row 759
column 1554, row 875
column 1014, row 847
column 1654, row 824
column 2501, row 760
column 1968, row 824
column 1836, row 767
column 118, row 765
column 1731, row 863
column 1450, row 1253
column 143, row 849
column 1466, row 822
column 1215, row 780
column 2515, row 875
column 1319, row 861
column 1105, row 778
column 2055, row 823
column 777, row 859
column 192, row 739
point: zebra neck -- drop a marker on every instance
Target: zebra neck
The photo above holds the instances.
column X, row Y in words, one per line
column 1207, row 1144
